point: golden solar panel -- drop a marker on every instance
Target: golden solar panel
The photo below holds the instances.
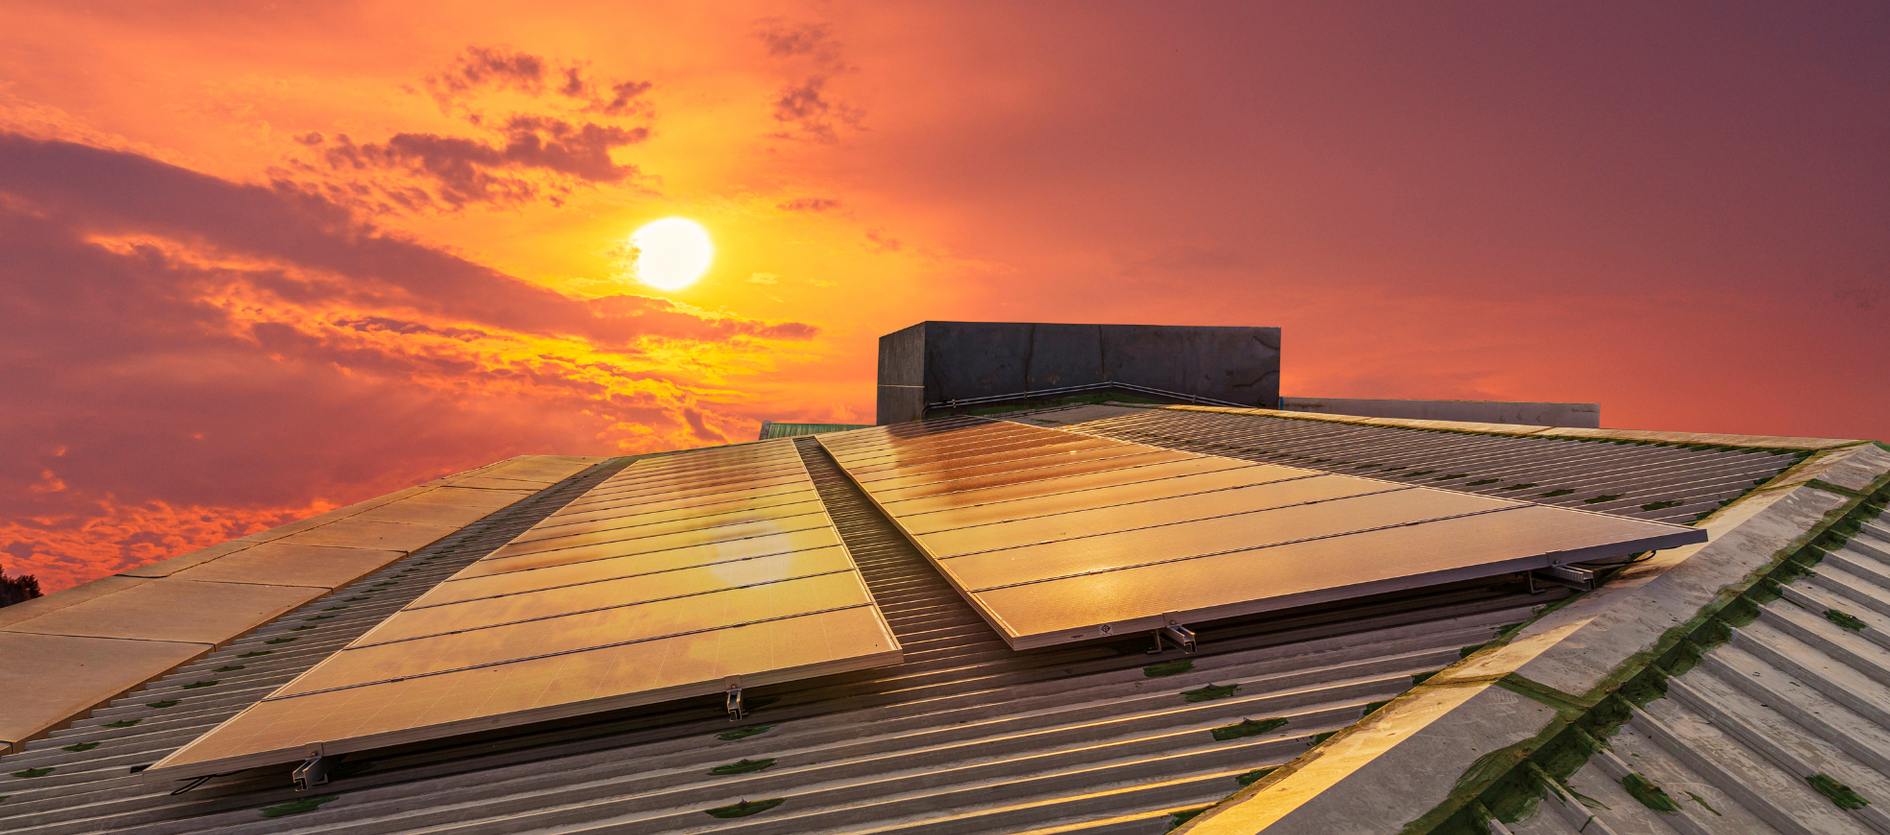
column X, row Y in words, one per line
column 1031, row 474
column 1143, row 473
column 973, row 456
column 584, row 614
column 1112, row 538
column 1090, row 493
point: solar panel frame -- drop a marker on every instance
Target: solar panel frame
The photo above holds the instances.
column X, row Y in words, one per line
column 1037, row 568
column 567, row 632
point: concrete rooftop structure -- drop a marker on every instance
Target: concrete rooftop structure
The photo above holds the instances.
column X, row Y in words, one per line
column 1739, row 684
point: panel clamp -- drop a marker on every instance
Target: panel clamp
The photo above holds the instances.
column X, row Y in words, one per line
column 1580, row 579
column 736, row 712
column 1176, row 631
column 314, row 770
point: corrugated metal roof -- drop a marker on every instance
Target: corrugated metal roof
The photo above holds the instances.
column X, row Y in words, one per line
column 1779, row 729
column 1645, row 480
column 771, row 430
column 966, row 735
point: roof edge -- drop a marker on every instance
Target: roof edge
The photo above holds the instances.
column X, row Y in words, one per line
column 1435, row 755
column 1695, row 439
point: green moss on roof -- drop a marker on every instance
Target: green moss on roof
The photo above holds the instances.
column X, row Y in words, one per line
column 1602, row 498
column 1168, row 668
column 1839, row 793
column 205, row 683
column 81, row 747
column 1176, row 819
column 742, row 766
column 1248, row 727
column 122, row 723
column 1844, row 619
column 163, row 704
column 296, row 807
column 1702, row 801
column 744, row 733
column 1661, row 505
column 743, row 808
column 1650, row 795
column 1209, row 693
column 1254, row 776
column 31, row 773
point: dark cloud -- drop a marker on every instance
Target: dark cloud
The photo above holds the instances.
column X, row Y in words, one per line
column 468, row 171
column 485, row 67
column 809, row 204
column 702, row 429
column 807, row 112
column 189, row 359
column 785, row 40
column 805, row 107
column 623, row 98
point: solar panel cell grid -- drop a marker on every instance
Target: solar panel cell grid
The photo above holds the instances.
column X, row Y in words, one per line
column 659, row 512
column 719, row 551
column 623, row 603
column 1054, row 547
column 1079, row 495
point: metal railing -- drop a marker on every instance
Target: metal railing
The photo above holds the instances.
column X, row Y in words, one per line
column 1194, row 399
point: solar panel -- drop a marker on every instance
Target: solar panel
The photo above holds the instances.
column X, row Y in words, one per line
column 1055, row 540
column 627, row 603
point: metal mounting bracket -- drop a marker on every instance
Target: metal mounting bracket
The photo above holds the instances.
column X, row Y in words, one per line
column 313, row 771
column 736, row 712
column 1180, row 634
column 1580, row 579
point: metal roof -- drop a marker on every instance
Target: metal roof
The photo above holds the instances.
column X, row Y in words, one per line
column 1643, row 479
column 965, row 735
column 771, row 430
column 1779, row 729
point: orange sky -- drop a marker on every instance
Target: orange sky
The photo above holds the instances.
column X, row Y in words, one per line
column 264, row 259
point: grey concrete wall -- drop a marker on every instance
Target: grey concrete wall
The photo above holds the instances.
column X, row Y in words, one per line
column 902, row 375
column 959, row 360
column 1580, row 415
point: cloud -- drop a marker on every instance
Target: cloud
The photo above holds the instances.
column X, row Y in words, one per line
column 804, row 106
column 701, row 428
column 809, row 204
column 478, row 69
column 809, row 114
column 463, row 171
column 485, row 67
column 764, row 278
column 788, row 40
column 191, row 359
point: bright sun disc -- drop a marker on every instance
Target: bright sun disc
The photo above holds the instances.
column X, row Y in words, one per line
column 672, row 252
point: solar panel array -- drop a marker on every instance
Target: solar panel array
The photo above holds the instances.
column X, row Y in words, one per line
column 661, row 582
column 1058, row 536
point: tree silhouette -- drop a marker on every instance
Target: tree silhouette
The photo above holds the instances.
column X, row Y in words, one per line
column 17, row 589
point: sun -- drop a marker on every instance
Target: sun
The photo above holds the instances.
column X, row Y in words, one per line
column 672, row 253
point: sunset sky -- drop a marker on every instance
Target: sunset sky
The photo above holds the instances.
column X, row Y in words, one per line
column 263, row 259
